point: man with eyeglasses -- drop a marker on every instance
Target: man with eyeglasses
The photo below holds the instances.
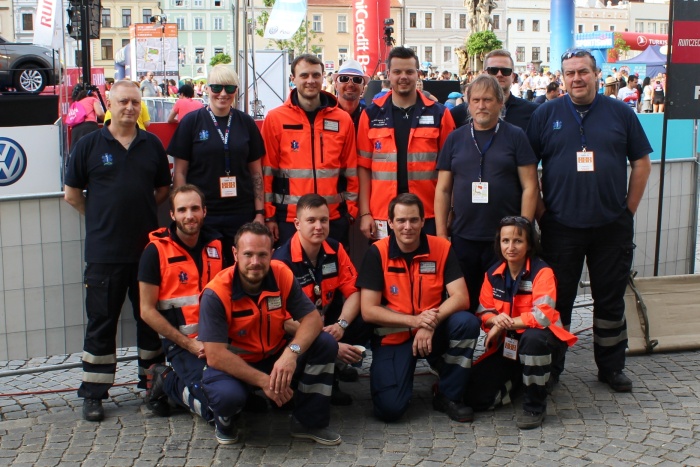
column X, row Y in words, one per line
column 516, row 111
column 584, row 141
column 309, row 148
column 326, row 275
column 350, row 82
column 398, row 142
column 125, row 171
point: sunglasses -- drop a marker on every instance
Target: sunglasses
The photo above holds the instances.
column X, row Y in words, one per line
column 217, row 88
column 571, row 53
column 355, row 79
column 513, row 220
column 493, row 70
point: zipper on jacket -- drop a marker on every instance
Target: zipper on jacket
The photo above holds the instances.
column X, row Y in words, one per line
column 313, row 157
column 320, row 135
column 262, row 344
column 269, row 325
column 420, row 292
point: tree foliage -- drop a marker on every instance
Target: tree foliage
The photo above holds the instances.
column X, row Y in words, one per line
column 220, row 58
column 482, row 42
column 619, row 47
column 298, row 41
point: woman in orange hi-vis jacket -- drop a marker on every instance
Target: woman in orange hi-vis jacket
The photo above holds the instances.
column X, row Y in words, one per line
column 523, row 328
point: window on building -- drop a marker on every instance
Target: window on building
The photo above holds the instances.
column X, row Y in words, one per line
column 521, row 25
column 639, row 26
column 199, row 55
column 320, row 56
column 126, row 17
column 146, row 14
column 663, row 28
column 198, row 3
column 496, row 22
column 180, row 24
column 198, row 23
column 580, row 28
column 414, row 48
column 535, row 54
column 27, row 22
column 548, row 28
column 125, row 42
column 106, row 18
column 596, row 27
column 107, row 49
column 520, row 54
column 428, row 20
column 182, row 56
column 317, row 23
column 342, row 23
column 218, row 50
column 548, row 59
column 535, row 25
column 412, row 20
column 342, row 55
column 428, row 54
column 218, row 23
column 651, row 28
column 448, row 20
column 447, row 54
column 612, row 27
column 462, row 21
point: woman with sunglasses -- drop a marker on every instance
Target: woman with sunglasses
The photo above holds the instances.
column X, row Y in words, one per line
column 523, row 330
column 219, row 149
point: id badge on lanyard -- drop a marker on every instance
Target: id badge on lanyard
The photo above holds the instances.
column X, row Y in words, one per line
column 585, row 161
column 510, row 348
column 227, row 186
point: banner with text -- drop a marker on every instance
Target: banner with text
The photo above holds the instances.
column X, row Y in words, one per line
column 368, row 31
column 683, row 100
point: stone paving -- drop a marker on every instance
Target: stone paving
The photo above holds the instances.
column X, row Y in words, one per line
column 586, row 424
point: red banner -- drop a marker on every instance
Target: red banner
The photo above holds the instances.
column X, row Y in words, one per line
column 640, row 41
column 369, row 16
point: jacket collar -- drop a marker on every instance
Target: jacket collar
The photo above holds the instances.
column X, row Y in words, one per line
column 269, row 284
column 328, row 100
column 299, row 255
column 385, row 100
column 395, row 251
column 501, row 269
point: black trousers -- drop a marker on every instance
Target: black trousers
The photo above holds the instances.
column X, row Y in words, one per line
column 475, row 258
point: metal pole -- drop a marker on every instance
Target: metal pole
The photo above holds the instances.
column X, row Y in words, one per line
column 85, row 40
column 235, row 27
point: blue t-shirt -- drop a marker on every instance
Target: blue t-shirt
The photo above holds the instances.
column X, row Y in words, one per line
column 509, row 150
column 612, row 132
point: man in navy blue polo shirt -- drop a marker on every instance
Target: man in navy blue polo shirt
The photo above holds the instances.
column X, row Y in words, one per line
column 584, row 141
column 125, row 171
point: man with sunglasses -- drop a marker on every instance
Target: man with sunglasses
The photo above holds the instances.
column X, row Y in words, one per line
column 310, row 148
column 517, row 111
column 350, row 82
column 584, row 141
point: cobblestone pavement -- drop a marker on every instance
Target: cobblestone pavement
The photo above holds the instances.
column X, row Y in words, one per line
column 586, row 424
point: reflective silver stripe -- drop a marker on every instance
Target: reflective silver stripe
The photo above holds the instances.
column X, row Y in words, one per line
column 460, row 360
column 102, row 378
column 605, row 324
column 384, row 157
column 99, row 359
column 188, row 329
column 280, row 198
column 323, row 389
column 143, row 371
column 149, row 354
column 428, row 175
column 480, row 309
column 506, row 397
column 387, row 331
column 421, row 157
column 536, row 360
column 185, row 396
column 365, row 154
column 545, row 300
column 318, row 369
column 350, row 196
column 307, row 173
column 239, row 351
column 349, row 171
column 540, row 317
column 178, row 302
column 463, row 344
column 267, row 170
column 269, row 197
column 539, row 380
column 610, row 341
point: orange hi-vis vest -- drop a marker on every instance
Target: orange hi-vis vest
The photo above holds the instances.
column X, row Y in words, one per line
column 376, row 148
column 180, row 285
column 255, row 329
column 411, row 289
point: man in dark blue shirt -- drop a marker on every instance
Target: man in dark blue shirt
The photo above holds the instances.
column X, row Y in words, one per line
column 584, row 142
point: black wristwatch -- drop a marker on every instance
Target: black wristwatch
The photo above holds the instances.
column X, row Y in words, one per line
column 260, row 211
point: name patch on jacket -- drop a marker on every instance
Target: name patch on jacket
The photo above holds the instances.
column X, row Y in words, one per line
column 379, row 122
column 274, row 303
column 329, row 268
column 427, row 267
column 331, row 125
column 426, row 120
column 212, row 252
column 525, row 286
column 499, row 294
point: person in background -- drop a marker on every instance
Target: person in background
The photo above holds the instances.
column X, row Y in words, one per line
column 610, row 88
column 94, row 113
column 184, row 105
column 647, row 93
column 172, row 88
column 552, row 93
column 350, row 82
column 149, row 86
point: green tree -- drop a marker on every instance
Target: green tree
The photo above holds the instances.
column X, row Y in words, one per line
column 619, row 47
column 220, row 58
column 298, row 41
column 482, row 42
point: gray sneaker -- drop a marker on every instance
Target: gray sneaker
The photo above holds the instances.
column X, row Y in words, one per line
column 320, row 435
column 226, row 432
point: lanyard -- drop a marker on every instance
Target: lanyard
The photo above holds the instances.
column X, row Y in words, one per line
column 580, row 119
column 224, row 137
column 482, row 153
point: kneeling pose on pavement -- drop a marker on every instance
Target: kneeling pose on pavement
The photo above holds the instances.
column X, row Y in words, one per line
column 524, row 332
column 174, row 268
column 403, row 279
column 241, row 323
column 323, row 267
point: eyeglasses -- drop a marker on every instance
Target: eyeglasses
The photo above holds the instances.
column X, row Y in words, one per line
column 493, row 70
column 355, row 79
column 217, row 88
column 512, row 220
column 571, row 53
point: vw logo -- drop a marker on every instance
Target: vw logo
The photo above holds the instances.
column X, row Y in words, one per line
column 13, row 161
column 642, row 41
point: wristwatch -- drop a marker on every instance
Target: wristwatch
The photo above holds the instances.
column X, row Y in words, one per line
column 295, row 348
column 343, row 324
